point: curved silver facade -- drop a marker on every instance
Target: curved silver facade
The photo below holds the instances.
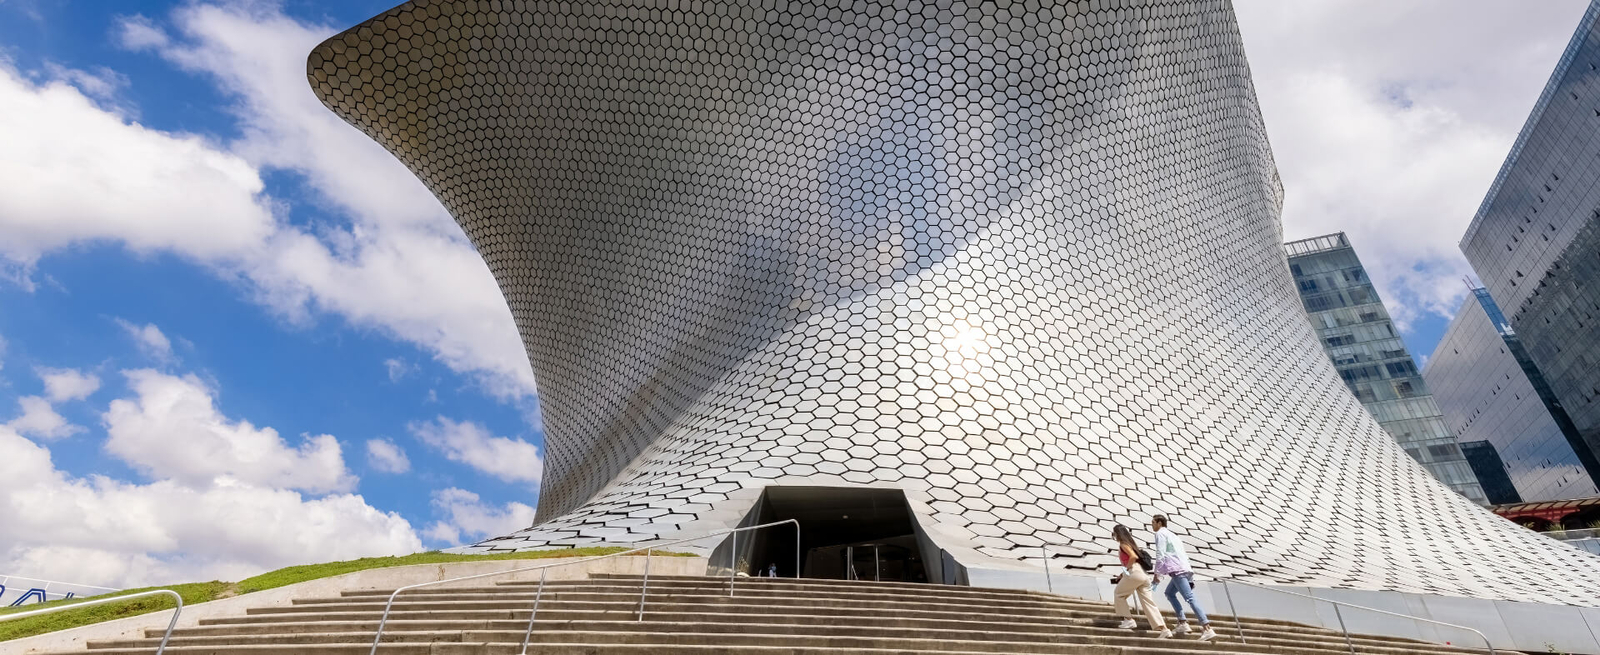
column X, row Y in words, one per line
column 1019, row 259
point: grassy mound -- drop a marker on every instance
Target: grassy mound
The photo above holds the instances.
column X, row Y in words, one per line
column 199, row 592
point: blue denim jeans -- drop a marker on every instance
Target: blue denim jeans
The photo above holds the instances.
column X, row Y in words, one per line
column 1182, row 584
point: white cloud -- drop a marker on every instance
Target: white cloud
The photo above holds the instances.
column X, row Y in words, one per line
column 76, row 173
column 511, row 460
column 1388, row 122
column 39, row 419
column 63, row 384
column 389, row 258
column 151, row 341
column 468, row 518
column 385, row 456
column 397, row 369
column 102, row 531
column 138, row 32
column 403, row 266
column 172, row 430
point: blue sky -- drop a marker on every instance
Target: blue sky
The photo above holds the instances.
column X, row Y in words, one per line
column 193, row 266
column 197, row 261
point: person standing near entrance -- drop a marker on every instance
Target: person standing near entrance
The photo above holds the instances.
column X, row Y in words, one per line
column 1172, row 561
column 1135, row 581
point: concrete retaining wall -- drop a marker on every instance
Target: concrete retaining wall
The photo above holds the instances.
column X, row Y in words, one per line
column 1531, row 627
column 387, row 578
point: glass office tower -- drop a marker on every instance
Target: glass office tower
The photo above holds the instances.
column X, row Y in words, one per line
column 1491, row 471
column 1492, row 393
column 1535, row 241
column 1354, row 329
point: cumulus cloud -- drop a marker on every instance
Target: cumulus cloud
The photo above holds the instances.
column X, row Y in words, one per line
column 149, row 338
column 1389, row 122
column 466, row 518
column 172, row 430
column 385, row 456
column 401, row 265
column 376, row 250
column 39, row 419
column 138, row 33
column 397, row 369
column 511, row 460
column 63, row 384
column 75, row 173
column 102, row 531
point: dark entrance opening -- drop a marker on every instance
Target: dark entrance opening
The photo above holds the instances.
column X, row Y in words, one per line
column 845, row 533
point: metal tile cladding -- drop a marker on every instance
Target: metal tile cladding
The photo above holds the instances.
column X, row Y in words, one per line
column 1019, row 259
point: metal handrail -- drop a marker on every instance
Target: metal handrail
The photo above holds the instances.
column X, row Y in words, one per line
column 114, row 599
column 1340, row 616
column 732, row 560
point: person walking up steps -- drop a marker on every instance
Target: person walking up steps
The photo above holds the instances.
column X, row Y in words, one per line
column 1172, row 561
column 1135, row 581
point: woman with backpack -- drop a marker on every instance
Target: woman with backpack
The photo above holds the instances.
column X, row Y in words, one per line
column 1135, row 580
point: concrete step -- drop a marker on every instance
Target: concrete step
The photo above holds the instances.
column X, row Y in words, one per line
column 881, row 589
column 952, row 629
column 570, row 590
column 583, row 600
column 551, row 590
column 549, row 602
column 452, row 648
column 737, row 634
column 694, row 615
column 916, row 620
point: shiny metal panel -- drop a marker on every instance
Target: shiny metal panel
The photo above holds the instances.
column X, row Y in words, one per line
column 1021, row 260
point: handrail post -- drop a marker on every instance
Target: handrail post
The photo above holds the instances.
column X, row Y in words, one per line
column 537, row 595
column 1340, row 615
column 1234, row 609
column 644, row 587
column 797, row 550
column 877, row 564
column 733, row 562
column 1048, row 585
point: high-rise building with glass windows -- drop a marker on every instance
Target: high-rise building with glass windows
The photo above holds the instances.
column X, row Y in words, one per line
column 1492, row 393
column 1355, row 330
column 1535, row 241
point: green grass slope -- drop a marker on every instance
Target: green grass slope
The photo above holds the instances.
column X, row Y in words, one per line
column 199, row 592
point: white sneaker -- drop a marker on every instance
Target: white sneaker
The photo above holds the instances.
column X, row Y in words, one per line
column 1182, row 629
column 1208, row 634
column 1165, row 634
column 1127, row 624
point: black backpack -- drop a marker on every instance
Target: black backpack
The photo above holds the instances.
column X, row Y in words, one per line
column 1145, row 562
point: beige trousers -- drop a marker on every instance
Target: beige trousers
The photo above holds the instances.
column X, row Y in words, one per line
column 1136, row 582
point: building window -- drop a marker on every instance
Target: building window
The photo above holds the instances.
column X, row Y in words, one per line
column 1370, row 317
column 1404, row 389
column 1295, row 268
column 1403, row 369
column 1341, row 340
column 1308, row 285
column 1441, row 451
column 1364, row 393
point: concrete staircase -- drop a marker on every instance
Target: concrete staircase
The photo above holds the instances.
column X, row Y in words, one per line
column 695, row 615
